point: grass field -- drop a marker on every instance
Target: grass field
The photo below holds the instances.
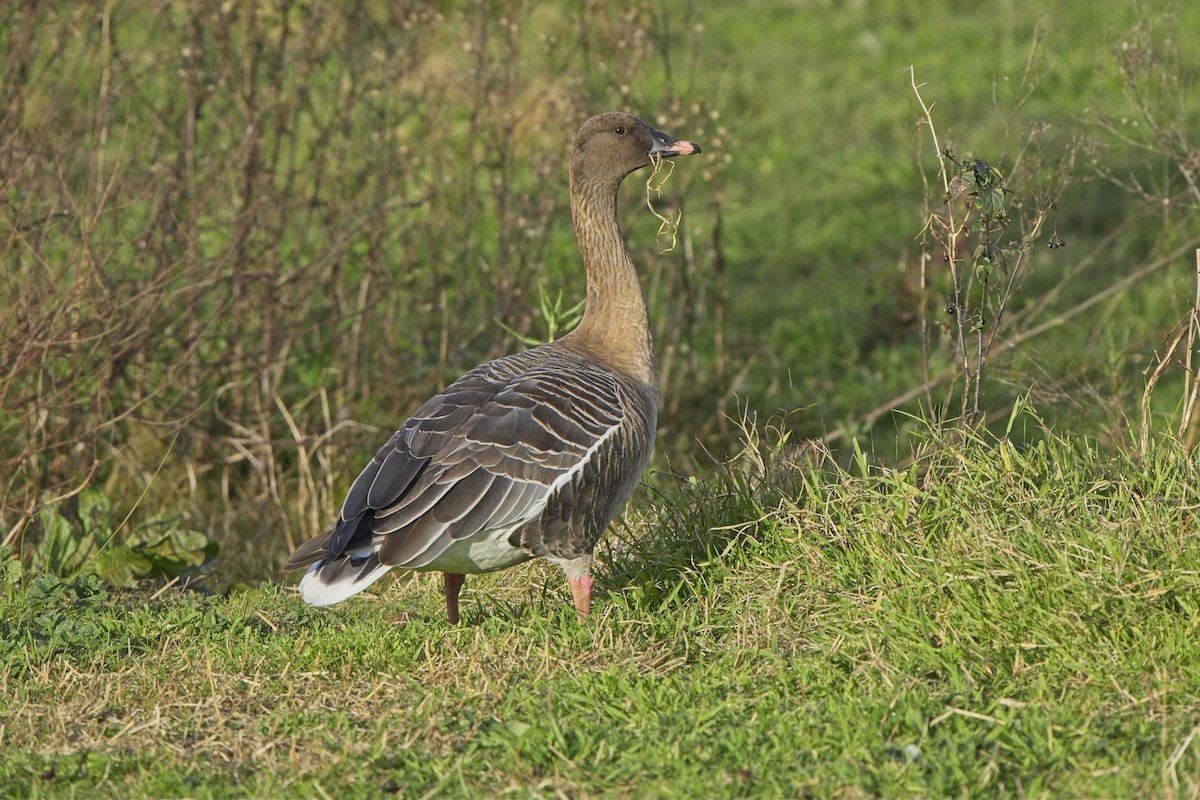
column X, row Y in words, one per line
column 993, row 621
column 243, row 241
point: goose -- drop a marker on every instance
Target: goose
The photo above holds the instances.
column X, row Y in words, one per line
column 530, row 455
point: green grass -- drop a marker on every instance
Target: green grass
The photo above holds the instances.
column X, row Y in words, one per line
column 991, row 620
column 825, row 195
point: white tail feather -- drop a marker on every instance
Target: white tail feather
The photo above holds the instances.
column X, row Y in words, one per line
column 329, row 582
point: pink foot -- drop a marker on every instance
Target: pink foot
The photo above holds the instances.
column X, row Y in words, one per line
column 581, row 588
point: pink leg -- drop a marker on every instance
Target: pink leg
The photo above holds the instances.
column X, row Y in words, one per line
column 453, row 585
column 582, row 589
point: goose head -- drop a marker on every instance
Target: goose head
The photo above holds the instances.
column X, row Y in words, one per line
column 610, row 146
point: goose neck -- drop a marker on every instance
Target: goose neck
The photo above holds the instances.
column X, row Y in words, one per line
column 615, row 324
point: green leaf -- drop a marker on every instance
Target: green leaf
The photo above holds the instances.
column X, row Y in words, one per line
column 984, row 269
column 121, row 566
column 517, row 728
column 95, row 511
column 990, row 200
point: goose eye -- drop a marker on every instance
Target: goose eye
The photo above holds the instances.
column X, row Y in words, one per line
column 619, row 130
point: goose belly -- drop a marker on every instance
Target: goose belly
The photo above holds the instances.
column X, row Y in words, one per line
column 486, row 551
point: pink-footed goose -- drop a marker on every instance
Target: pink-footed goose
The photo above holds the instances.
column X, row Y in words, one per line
column 530, row 455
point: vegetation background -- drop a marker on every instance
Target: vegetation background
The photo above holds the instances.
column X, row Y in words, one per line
column 921, row 518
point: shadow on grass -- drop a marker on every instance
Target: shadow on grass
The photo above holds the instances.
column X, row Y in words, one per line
column 696, row 533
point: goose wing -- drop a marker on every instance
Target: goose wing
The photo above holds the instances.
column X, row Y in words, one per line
column 486, row 454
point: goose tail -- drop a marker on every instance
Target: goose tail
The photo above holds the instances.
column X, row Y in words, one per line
column 330, row 581
column 344, row 561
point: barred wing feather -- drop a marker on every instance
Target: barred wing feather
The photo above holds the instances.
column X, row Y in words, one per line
column 482, row 457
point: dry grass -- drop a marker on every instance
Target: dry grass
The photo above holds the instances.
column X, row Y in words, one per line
column 655, row 183
column 265, row 234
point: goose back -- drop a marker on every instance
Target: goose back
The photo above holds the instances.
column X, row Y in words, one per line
column 529, row 455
